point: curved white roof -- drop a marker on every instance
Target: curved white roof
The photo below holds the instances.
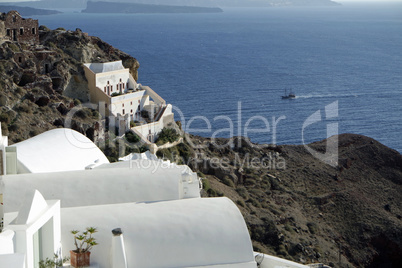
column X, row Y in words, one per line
column 105, row 67
column 208, row 232
column 103, row 186
column 56, row 150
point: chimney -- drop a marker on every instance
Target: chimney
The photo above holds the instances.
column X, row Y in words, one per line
column 118, row 256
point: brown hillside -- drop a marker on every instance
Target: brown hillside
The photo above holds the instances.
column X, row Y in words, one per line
column 302, row 209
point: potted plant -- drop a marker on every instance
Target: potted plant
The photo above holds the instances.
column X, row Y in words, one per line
column 80, row 257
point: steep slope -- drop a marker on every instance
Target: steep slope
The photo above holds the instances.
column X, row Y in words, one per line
column 302, row 209
column 40, row 85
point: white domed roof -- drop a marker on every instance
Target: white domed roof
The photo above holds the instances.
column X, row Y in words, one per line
column 56, row 150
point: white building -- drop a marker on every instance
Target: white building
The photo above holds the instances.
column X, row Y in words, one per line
column 157, row 205
column 114, row 90
column 6, row 153
column 32, row 233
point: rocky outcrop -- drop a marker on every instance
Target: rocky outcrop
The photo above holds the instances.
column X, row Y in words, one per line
column 73, row 49
column 40, row 85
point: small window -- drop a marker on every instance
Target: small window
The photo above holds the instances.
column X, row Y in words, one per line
column 131, row 103
column 33, row 30
column 123, row 105
column 19, row 59
column 104, row 89
column 123, row 111
column 21, row 31
column 8, row 32
column 131, row 111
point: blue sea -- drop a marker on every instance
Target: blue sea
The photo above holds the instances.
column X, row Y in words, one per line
column 225, row 73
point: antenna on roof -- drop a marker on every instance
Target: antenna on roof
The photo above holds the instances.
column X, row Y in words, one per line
column 259, row 258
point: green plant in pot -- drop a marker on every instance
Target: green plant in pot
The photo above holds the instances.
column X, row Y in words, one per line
column 84, row 242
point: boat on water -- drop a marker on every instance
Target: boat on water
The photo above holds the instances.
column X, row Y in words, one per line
column 291, row 95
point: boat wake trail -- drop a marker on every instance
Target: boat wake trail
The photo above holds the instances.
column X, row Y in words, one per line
column 326, row 96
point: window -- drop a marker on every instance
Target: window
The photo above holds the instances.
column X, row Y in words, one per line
column 123, row 105
column 104, row 89
column 131, row 111
column 8, row 32
column 19, row 59
column 21, row 31
column 111, row 88
column 131, row 103
column 33, row 30
column 123, row 111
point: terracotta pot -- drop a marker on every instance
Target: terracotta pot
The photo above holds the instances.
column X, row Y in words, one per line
column 79, row 259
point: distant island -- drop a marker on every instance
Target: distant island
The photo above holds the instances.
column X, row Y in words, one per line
column 82, row 4
column 27, row 11
column 113, row 7
column 236, row 3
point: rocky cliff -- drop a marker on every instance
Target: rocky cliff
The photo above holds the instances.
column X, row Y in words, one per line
column 39, row 85
column 302, row 209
